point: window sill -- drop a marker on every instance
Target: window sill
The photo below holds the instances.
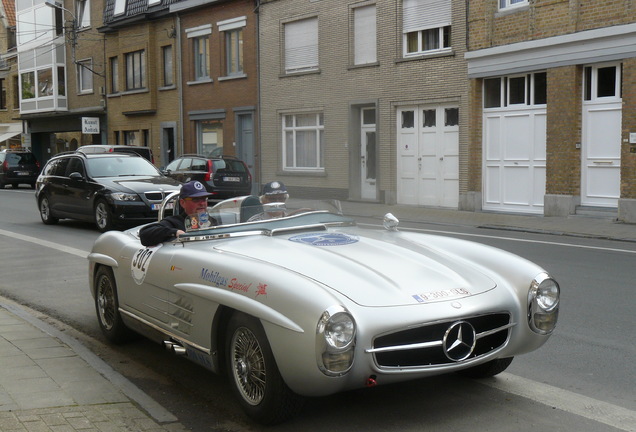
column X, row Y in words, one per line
column 132, row 92
column 232, row 77
column 86, row 92
column 299, row 73
column 202, row 81
column 301, row 173
column 435, row 55
column 170, row 87
column 365, row 65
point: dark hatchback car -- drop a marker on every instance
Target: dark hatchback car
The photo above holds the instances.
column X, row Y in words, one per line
column 18, row 167
column 110, row 189
column 223, row 176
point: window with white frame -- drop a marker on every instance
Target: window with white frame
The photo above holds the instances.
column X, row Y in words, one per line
column 426, row 26
column 136, row 70
column 527, row 89
column 84, row 76
column 83, row 13
column 504, row 4
column 301, row 45
column 303, row 141
column 364, row 35
column 232, row 30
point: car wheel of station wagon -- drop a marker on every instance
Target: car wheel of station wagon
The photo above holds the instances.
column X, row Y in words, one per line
column 45, row 212
column 103, row 216
column 488, row 369
column 107, row 307
column 254, row 375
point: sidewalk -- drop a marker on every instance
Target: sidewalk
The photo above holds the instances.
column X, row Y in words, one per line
column 50, row 382
column 603, row 226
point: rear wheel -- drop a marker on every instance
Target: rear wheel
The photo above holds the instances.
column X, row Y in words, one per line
column 253, row 373
column 103, row 216
column 488, row 369
column 107, row 307
column 45, row 212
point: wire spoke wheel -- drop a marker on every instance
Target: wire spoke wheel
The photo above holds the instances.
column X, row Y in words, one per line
column 248, row 366
column 105, row 298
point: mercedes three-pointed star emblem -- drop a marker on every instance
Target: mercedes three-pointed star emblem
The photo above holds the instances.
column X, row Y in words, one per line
column 459, row 341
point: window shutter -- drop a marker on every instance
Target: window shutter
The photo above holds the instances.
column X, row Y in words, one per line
column 301, row 45
column 365, row 35
column 425, row 14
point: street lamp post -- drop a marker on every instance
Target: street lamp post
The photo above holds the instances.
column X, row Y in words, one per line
column 73, row 33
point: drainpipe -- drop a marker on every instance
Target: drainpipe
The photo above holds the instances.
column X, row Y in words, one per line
column 180, row 90
column 259, row 164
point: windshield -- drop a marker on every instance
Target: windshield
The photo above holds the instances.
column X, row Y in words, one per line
column 120, row 167
column 247, row 214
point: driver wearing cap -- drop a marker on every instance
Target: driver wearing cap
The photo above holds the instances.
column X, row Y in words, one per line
column 193, row 199
column 273, row 192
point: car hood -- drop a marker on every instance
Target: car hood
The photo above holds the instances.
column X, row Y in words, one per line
column 140, row 184
column 370, row 271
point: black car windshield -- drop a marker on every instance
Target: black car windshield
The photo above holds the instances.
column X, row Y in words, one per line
column 120, row 167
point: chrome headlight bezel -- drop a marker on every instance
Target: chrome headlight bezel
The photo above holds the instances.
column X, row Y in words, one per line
column 543, row 304
column 335, row 341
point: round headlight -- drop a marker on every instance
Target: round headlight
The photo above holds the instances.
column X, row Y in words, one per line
column 339, row 330
column 547, row 295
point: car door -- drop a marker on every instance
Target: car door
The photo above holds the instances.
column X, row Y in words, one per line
column 77, row 194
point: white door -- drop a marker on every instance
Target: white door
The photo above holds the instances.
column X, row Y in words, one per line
column 601, row 137
column 368, row 155
column 428, row 156
column 514, row 160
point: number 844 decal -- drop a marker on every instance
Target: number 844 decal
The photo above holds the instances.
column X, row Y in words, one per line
column 140, row 263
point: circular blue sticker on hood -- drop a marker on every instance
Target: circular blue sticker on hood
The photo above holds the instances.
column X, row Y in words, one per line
column 325, row 239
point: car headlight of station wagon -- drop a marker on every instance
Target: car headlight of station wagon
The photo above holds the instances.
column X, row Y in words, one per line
column 122, row 196
column 335, row 341
column 543, row 304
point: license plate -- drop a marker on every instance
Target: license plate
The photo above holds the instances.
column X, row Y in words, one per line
column 22, row 173
column 443, row 294
column 232, row 179
column 169, row 206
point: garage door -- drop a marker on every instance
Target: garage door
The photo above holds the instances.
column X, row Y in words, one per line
column 515, row 160
column 428, row 156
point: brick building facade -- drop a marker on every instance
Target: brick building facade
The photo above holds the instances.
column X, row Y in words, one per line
column 581, row 153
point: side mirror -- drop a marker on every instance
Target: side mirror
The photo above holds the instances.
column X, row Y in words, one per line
column 76, row 176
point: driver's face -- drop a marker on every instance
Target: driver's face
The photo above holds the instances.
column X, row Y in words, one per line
column 194, row 205
column 274, row 198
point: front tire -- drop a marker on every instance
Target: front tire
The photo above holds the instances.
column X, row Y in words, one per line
column 103, row 216
column 253, row 373
column 45, row 212
column 487, row 370
column 107, row 307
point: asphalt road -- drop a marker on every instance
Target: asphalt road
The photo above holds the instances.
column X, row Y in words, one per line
column 583, row 379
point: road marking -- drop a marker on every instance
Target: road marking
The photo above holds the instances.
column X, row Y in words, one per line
column 510, row 239
column 583, row 406
column 80, row 253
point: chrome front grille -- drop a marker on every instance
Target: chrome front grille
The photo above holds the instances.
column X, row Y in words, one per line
column 442, row 343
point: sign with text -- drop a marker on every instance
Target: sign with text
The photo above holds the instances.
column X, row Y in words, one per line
column 90, row 125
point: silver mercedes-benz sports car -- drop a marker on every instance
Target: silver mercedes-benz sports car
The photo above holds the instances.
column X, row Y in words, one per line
column 295, row 303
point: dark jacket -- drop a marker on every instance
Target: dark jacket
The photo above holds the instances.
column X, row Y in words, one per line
column 162, row 231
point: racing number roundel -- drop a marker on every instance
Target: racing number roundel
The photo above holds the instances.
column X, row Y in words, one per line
column 140, row 263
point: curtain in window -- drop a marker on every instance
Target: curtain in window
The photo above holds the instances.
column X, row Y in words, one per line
column 425, row 14
column 301, row 44
column 365, row 35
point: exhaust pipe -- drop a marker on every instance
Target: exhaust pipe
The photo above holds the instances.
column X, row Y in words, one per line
column 174, row 348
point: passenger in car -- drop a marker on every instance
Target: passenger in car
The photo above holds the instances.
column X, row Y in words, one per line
column 273, row 192
column 193, row 199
